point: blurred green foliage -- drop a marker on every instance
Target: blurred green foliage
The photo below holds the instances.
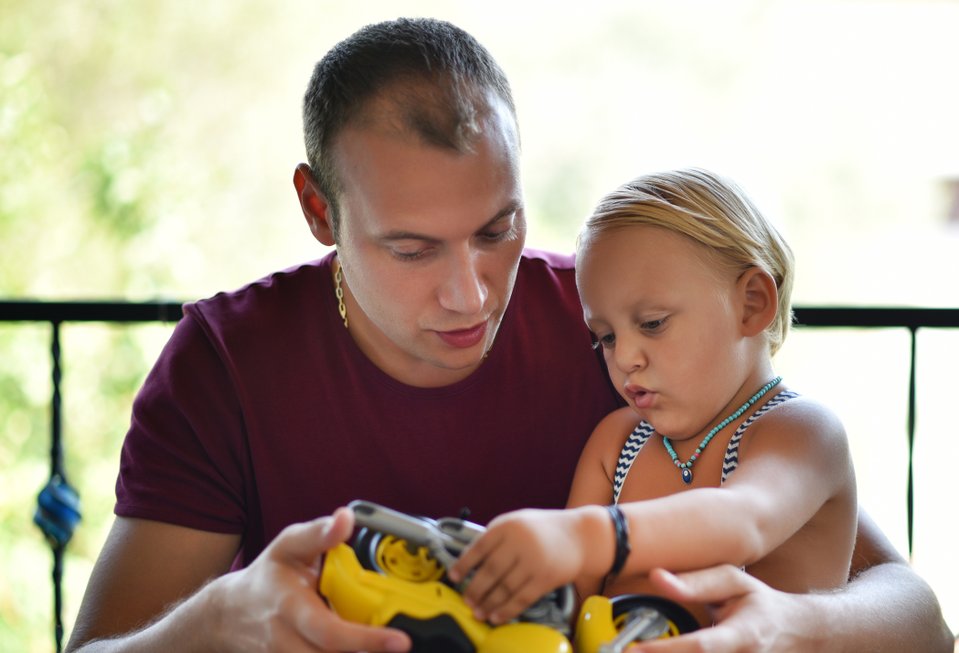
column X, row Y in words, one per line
column 77, row 188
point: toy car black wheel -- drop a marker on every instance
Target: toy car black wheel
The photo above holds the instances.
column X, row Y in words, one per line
column 391, row 556
column 678, row 619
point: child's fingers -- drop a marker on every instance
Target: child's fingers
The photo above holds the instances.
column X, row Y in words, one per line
column 508, row 600
column 472, row 557
column 487, row 584
column 494, row 603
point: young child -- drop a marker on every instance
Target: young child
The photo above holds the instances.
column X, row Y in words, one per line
column 686, row 287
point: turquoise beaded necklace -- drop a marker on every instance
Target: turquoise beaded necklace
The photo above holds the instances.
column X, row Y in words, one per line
column 686, row 468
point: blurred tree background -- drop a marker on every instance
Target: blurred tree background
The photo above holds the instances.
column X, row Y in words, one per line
column 146, row 151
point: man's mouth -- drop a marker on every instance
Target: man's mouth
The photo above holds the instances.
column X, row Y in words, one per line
column 464, row 338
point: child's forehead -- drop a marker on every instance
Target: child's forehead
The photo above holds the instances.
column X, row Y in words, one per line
column 634, row 245
column 646, row 266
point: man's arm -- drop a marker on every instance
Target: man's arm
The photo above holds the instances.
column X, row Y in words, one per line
column 144, row 568
column 151, row 591
column 885, row 607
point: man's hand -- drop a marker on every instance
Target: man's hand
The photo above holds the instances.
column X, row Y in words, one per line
column 750, row 615
column 886, row 609
column 273, row 605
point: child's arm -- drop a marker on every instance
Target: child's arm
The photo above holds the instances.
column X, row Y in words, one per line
column 535, row 551
column 795, row 459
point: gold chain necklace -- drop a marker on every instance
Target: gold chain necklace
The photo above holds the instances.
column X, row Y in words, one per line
column 338, row 281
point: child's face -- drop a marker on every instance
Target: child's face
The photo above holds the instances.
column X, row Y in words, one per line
column 669, row 323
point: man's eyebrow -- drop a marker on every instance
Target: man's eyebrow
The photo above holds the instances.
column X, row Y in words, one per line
column 392, row 236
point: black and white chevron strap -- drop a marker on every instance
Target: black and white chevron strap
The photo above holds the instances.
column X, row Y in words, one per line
column 631, row 448
column 731, row 462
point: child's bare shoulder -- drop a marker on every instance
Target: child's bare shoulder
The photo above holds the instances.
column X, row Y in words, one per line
column 610, row 434
column 616, row 427
column 803, row 419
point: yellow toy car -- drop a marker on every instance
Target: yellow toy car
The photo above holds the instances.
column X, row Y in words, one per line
column 395, row 575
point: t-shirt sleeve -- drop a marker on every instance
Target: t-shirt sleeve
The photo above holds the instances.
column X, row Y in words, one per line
column 185, row 457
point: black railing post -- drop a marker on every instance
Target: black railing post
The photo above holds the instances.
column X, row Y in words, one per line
column 911, row 433
column 58, row 505
column 56, row 412
column 56, row 472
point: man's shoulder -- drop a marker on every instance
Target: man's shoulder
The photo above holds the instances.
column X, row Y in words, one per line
column 548, row 260
column 545, row 274
column 273, row 294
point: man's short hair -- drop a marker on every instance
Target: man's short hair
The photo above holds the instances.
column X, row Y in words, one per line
column 434, row 77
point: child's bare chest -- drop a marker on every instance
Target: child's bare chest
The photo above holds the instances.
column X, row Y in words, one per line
column 654, row 474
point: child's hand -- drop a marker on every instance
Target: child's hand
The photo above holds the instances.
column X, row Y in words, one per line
column 522, row 556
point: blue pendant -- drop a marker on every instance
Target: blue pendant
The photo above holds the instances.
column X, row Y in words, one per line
column 687, row 475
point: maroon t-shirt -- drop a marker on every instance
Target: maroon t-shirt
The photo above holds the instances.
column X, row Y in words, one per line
column 261, row 411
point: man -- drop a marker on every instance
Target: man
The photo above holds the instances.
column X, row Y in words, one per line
column 429, row 364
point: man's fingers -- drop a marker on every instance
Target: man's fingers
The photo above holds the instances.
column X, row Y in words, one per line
column 713, row 640
column 712, row 585
column 324, row 629
column 304, row 542
column 347, row 636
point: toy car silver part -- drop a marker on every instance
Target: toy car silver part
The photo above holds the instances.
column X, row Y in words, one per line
column 643, row 624
column 446, row 539
column 395, row 575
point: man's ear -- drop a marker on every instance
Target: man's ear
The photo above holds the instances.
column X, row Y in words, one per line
column 315, row 207
column 760, row 300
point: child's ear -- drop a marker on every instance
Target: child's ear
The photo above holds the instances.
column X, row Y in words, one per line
column 760, row 301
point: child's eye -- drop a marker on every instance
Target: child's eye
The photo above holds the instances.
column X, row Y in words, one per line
column 607, row 341
column 653, row 326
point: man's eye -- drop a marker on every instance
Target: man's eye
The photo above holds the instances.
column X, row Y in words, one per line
column 496, row 236
column 409, row 255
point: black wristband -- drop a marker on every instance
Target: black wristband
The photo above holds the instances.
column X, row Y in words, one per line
column 622, row 539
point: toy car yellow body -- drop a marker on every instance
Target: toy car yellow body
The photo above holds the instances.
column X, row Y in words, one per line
column 431, row 612
column 395, row 575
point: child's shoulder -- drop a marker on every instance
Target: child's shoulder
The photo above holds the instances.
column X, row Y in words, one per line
column 799, row 406
column 803, row 417
column 610, row 434
column 618, row 424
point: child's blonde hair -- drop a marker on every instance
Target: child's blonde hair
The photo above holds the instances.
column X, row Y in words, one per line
column 711, row 211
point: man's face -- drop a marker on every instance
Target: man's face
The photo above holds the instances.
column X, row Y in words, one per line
column 429, row 242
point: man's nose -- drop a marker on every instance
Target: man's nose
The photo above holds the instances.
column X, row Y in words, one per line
column 464, row 289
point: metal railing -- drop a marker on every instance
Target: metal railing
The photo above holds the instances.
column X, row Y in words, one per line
column 58, row 510
column 58, row 504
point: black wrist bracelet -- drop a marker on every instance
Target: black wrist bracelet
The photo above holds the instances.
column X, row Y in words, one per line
column 622, row 539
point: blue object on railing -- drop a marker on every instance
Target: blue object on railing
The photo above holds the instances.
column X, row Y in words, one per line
column 58, row 511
